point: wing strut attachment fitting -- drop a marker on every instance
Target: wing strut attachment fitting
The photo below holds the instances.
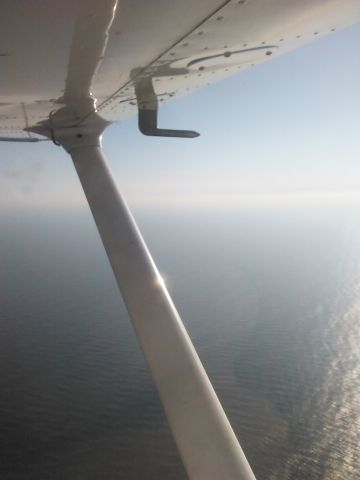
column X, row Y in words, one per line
column 148, row 112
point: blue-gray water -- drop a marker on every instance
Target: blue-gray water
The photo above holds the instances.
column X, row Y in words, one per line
column 270, row 298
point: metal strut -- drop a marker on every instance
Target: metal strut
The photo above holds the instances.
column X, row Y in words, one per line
column 206, row 442
column 23, row 140
column 148, row 112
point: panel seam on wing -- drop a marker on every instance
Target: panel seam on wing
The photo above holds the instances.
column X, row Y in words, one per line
column 164, row 52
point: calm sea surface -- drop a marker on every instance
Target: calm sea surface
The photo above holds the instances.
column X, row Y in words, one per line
column 270, row 297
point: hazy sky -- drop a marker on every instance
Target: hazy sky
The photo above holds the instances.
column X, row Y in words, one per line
column 287, row 129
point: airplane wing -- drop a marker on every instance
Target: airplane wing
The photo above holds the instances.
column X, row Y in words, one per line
column 50, row 50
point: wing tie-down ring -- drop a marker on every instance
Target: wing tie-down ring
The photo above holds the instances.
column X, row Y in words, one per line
column 52, row 130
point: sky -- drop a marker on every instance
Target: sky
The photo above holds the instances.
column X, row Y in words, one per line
column 283, row 131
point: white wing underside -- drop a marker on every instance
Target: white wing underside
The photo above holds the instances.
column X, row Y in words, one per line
column 65, row 52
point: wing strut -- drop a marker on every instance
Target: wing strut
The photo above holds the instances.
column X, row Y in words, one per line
column 206, row 442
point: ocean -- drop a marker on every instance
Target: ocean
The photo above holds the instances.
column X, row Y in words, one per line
column 270, row 297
